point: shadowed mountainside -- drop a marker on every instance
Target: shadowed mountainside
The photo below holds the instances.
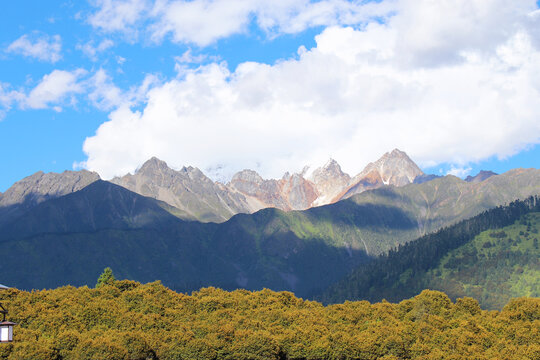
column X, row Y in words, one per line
column 34, row 189
column 70, row 239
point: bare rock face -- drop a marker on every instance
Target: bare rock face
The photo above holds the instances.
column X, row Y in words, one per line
column 292, row 192
column 195, row 194
column 266, row 193
column 299, row 193
column 36, row 188
column 393, row 168
column 329, row 181
column 187, row 189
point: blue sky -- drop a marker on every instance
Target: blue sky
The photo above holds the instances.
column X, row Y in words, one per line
column 272, row 86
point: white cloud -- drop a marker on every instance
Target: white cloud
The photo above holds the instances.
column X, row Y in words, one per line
column 105, row 95
column 188, row 58
column 41, row 47
column 203, row 22
column 118, row 15
column 62, row 88
column 442, row 96
column 7, row 98
column 459, row 171
column 54, row 88
column 92, row 51
column 445, row 30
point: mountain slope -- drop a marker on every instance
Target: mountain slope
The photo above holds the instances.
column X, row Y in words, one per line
column 492, row 257
column 448, row 199
column 481, row 176
column 68, row 239
column 34, row 189
column 62, row 241
column 100, row 205
column 495, row 266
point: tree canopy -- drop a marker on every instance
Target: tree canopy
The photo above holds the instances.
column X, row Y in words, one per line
column 128, row 320
column 106, row 278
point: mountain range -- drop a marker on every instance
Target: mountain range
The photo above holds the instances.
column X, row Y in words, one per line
column 197, row 197
column 65, row 228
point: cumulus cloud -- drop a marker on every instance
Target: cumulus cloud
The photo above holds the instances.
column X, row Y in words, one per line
column 41, row 47
column 438, row 94
column 54, row 88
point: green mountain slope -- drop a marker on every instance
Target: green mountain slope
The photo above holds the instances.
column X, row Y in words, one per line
column 491, row 257
column 446, row 200
column 495, row 266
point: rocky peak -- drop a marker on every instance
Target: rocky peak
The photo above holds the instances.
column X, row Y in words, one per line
column 187, row 189
column 396, row 153
column 329, row 181
column 393, row 168
column 247, row 176
column 331, row 170
column 42, row 186
column 481, row 176
column 153, row 166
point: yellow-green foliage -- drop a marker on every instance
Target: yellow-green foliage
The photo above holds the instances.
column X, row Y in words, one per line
column 127, row 320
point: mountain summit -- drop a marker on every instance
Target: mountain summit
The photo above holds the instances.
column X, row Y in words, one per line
column 187, row 189
column 329, row 181
column 393, row 168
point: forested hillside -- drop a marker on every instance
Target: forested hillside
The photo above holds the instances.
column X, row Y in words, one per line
column 128, row 320
column 492, row 257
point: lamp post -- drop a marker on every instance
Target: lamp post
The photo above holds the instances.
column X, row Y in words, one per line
column 6, row 327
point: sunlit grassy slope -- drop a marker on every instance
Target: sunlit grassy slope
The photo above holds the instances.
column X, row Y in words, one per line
column 495, row 266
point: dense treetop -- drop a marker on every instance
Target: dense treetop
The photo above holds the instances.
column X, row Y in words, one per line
column 129, row 320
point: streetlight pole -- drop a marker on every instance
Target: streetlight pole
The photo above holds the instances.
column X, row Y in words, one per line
column 6, row 327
